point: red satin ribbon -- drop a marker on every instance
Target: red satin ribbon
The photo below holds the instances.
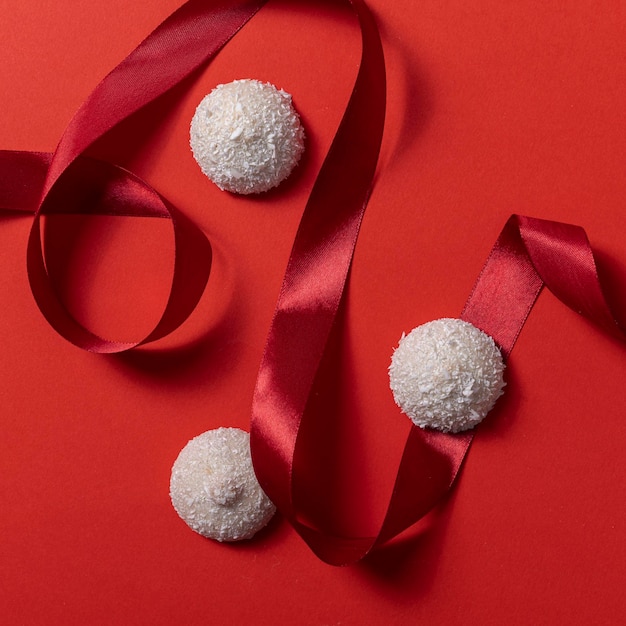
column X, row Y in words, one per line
column 528, row 254
column 67, row 182
column 312, row 290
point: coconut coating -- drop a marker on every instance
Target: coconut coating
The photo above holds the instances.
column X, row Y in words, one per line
column 214, row 489
column 246, row 136
column 446, row 374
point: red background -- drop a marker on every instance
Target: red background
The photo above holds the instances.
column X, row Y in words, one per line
column 494, row 107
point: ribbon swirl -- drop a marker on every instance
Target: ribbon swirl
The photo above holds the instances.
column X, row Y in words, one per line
column 67, row 182
column 529, row 254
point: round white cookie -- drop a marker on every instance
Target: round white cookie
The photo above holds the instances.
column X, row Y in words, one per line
column 446, row 374
column 246, row 136
column 214, row 489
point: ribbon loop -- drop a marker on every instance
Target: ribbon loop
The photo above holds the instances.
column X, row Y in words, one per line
column 314, row 284
column 67, row 182
column 563, row 258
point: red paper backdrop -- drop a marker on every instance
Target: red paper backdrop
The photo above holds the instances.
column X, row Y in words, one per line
column 494, row 108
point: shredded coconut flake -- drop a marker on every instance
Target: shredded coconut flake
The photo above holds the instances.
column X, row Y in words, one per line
column 446, row 374
column 246, row 136
column 214, row 489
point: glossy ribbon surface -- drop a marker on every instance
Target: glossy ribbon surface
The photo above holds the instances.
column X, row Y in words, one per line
column 529, row 254
column 67, row 182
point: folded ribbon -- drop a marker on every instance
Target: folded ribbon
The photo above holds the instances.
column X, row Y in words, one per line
column 67, row 182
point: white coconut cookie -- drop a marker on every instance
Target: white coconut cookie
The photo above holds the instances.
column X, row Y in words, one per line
column 246, row 136
column 214, row 489
column 446, row 374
